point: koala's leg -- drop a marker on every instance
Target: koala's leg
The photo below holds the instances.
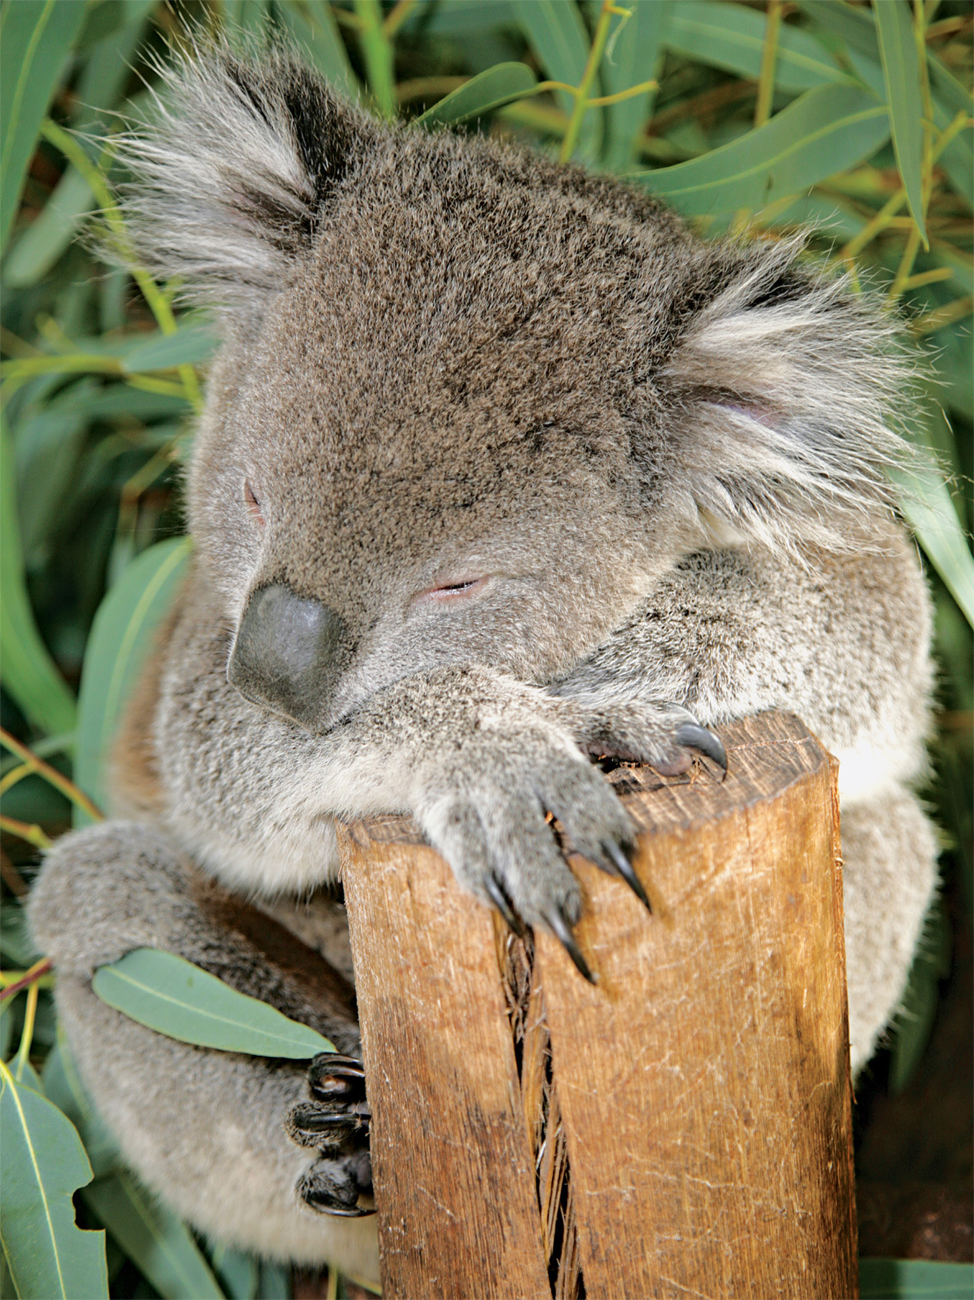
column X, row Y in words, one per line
column 889, row 852
column 247, row 1149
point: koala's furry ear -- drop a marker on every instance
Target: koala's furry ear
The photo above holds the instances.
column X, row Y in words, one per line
column 232, row 174
column 784, row 389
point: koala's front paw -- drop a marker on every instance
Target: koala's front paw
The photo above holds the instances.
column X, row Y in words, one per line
column 664, row 736
column 335, row 1124
column 488, row 810
column 488, row 807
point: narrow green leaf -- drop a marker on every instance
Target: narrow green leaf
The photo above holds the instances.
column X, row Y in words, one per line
column 901, row 73
column 190, row 345
column 558, row 37
column 498, row 85
column 44, row 1163
column 121, row 636
column 458, row 17
column 918, row 1005
column 634, row 60
column 314, row 28
column 35, row 42
column 826, row 131
column 62, row 1085
column 239, row 1274
column 930, row 511
column 174, row 997
column 153, row 1238
column 29, row 673
column 914, row 1279
column 46, row 238
column 731, row 36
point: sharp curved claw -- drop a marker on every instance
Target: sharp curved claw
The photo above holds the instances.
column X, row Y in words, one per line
column 562, row 931
column 326, row 1205
column 503, row 904
column 624, row 867
column 331, row 1077
column 699, row 738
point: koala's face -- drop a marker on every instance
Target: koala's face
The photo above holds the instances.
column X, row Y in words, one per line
column 470, row 405
column 383, row 490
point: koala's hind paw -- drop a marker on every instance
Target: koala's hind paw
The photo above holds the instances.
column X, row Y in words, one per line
column 335, row 1123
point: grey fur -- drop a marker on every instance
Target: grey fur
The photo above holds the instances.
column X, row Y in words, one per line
column 655, row 472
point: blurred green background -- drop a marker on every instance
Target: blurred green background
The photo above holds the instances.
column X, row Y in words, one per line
column 759, row 117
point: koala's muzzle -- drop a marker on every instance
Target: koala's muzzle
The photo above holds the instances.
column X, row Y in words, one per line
column 289, row 654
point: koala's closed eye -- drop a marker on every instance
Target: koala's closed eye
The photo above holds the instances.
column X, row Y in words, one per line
column 453, row 590
column 253, row 504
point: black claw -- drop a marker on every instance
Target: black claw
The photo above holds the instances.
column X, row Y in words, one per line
column 326, row 1202
column 332, row 1077
column 625, row 870
column 500, row 900
column 694, row 737
column 562, row 932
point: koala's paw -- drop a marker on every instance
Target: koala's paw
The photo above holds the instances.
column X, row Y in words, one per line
column 490, row 814
column 489, row 808
column 335, row 1124
column 665, row 736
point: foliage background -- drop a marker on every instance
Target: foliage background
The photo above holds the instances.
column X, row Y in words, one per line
column 766, row 116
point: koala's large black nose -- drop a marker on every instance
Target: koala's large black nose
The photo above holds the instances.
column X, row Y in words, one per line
column 288, row 654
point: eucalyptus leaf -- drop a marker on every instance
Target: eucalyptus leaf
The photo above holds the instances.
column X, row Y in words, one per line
column 825, row 131
column 930, row 511
column 498, row 85
column 901, row 71
column 558, row 37
column 731, row 36
column 176, row 998
column 190, row 345
column 635, row 58
column 314, row 27
column 44, row 1164
column 29, row 673
column 914, row 1279
column 35, row 43
column 121, row 637
column 46, row 238
column 153, row 1238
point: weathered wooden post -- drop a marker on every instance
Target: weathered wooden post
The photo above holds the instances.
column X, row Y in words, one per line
column 683, row 1128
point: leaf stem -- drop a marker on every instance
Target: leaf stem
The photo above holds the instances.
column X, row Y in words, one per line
column 51, row 775
column 588, row 77
column 769, row 57
column 30, row 832
column 28, row 977
column 27, row 1037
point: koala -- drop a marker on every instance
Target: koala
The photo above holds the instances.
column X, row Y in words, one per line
column 500, row 468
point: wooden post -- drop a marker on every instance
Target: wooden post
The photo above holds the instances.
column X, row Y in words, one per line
column 684, row 1127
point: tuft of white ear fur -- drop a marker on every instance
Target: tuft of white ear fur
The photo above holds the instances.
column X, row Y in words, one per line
column 230, row 174
column 786, row 389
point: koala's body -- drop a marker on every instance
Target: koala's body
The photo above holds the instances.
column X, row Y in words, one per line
column 499, row 467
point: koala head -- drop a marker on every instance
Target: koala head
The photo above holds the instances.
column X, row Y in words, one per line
column 470, row 405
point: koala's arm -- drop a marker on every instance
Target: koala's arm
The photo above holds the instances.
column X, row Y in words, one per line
column 840, row 640
column 241, row 1146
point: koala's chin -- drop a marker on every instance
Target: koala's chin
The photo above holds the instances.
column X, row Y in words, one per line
column 500, row 468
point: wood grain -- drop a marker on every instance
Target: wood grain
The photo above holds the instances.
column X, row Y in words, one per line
column 683, row 1128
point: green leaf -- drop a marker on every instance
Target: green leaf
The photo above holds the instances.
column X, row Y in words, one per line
column 730, row 36
column 634, row 60
column 43, row 1165
column 239, row 1274
column 61, row 1084
column 458, row 17
column 914, row 1279
column 498, row 85
column 121, row 636
column 174, row 997
column 35, row 43
column 46, row 238
column 901, row 73
column 558, row 37
column 825, row 131
column 315, row 29
column 29, row 673
column 153, row 1238
column 930, row 511
column 190, row 345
